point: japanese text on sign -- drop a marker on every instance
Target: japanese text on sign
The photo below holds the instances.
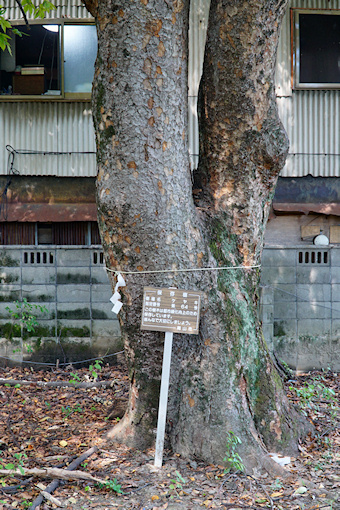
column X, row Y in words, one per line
column 172, row 310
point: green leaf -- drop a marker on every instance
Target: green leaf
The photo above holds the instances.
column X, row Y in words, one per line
column 4, row 24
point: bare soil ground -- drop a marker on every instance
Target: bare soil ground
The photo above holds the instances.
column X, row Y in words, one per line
column 44, row 426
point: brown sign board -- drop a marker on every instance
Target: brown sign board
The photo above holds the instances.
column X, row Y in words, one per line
column 172, row 310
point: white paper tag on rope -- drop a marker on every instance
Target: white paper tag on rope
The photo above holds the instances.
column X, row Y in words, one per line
column 117, row 307
column 120, row 282
column 115, row 299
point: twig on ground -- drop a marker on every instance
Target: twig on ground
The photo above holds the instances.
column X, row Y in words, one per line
column 12, row 489
column 54, row 485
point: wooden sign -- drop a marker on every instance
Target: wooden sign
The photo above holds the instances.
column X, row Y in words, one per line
column 171, row 310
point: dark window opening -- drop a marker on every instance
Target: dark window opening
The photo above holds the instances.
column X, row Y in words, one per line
column 49, row 59
column 317, row 49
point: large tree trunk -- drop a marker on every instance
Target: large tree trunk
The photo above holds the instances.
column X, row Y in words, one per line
column 223, row 379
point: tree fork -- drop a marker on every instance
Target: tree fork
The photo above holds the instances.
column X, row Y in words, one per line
column 223, row 379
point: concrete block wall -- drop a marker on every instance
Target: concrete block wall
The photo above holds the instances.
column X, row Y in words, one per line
column 72, row 284
column 305, row 285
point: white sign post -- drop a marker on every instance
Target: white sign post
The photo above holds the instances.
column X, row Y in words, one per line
column 163, row 399
column 169, row 310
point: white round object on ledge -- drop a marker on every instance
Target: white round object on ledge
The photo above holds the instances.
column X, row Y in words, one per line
column 321, row 240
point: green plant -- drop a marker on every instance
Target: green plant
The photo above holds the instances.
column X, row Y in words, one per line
column 26, row 504
column 232, row 458
column 312, row 392
column 75, row 377
column 17, row 464
column 69, row 410
column 112, row 485
column 95, row 368
column 277, row 484
column 25, row 314
column 177, row 483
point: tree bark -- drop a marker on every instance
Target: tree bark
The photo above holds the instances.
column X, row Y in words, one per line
column 222, row 379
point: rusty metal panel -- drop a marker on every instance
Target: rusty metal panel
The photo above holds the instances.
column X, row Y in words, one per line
column 95, row 236
column 73, row 233
column 17, row 233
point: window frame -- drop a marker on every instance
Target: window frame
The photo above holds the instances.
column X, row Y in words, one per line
column 64, row 96
column 295, row 49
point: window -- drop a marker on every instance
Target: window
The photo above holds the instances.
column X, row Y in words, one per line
column 316, row 52
column 50, row 59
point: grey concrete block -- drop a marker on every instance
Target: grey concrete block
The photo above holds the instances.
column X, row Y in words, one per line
column 267, row 314
column 99, row 275
column 107, row 328
column 336, row 292
column 74, row 311
column 285, row 310
column 313, row 328
column 38, row 275
column 74, row 257
column 336, row 329
column 73, row 293
column 335, row 256
column 285, row 293
column 10, row 275
column 10, row 257
column 313, row 292
column 101, row 293
column 274, row 257
column 73, row 275
column 335, row 275
column 105, row 344
column 103, row 311
column 5, row 314
column 285, row 328
column 313, row 354
column 268, row 335
column 313, row 274
column 50, row 307
column 74, row 328
column 314, row 310
column 267, row 295
column 10, row 293
column 277, row 275
column 335, row 310
column 39, row 293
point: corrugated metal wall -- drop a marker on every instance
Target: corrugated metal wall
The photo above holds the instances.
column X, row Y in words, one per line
column 49, row 126
column 65, row 8
column 311, row 118
column 199, row 12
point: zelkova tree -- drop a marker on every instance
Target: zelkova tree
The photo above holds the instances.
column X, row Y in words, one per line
column 223, row 379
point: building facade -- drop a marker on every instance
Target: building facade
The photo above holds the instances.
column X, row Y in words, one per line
column 300, row 305
column 50, row 245
column 50, row 248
